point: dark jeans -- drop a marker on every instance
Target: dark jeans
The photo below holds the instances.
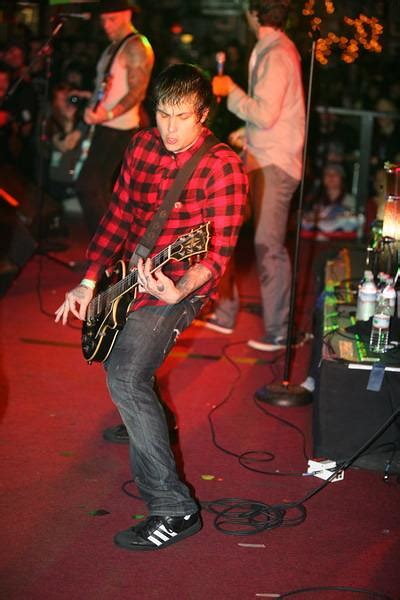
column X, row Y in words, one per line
column 147, row 338
column 99, row 172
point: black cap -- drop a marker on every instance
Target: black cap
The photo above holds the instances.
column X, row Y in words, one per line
column 108, row 6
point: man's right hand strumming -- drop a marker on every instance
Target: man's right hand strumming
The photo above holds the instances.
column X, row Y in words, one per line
column 76, row 302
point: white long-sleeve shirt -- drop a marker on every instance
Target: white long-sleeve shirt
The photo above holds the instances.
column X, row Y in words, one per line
column 273, row 109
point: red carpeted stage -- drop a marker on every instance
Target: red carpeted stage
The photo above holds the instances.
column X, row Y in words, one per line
column 61, row 496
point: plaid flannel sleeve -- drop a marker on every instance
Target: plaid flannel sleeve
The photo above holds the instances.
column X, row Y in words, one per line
column 114, row 226
column 226, row 191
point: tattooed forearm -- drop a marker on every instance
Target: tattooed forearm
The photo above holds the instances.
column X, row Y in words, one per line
column 194, row 278
column 139, row 61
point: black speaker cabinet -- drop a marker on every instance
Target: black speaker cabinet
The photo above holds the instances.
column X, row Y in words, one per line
column 346, row 414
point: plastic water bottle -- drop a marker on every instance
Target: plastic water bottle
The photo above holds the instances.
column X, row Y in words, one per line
column 366, row 299
column 396, row 285
column 378, row 341
column 389, row 293
column 381, row 281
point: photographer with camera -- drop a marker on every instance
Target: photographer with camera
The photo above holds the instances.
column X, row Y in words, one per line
column 65, row 134
column 123, row 74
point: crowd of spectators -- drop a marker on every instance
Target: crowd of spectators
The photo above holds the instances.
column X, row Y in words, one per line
column 331, row 209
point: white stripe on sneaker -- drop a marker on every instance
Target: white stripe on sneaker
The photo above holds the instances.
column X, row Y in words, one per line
column 162, row 534
column 154, row 541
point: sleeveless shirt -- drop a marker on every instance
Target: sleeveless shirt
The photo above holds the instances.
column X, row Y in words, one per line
column 117, row 89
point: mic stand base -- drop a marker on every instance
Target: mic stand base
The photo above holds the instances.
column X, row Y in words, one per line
column 279, row 394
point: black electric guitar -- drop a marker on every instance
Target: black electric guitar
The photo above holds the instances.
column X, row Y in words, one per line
column 107, row 311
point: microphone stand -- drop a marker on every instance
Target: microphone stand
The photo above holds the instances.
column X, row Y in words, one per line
column 44, row 51
column 285, row 393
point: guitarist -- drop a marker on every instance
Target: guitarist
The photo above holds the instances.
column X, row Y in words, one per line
column 123, row 75
column 168, row 298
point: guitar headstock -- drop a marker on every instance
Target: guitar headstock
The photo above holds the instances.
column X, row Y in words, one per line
column 189, row 244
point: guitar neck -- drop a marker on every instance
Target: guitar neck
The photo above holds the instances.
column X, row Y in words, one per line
column 100, row 302
column 189, row 244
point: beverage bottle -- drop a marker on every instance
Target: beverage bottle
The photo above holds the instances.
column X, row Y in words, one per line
column 366, row 299
column 396, row 285
column 390, row 293
column 381, row 281
column 379, row 338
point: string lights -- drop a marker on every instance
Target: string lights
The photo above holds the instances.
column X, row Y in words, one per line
column 366, row 32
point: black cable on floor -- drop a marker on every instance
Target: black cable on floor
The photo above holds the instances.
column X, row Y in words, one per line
column 231, row 517
column 336, row 588
column 240, row 517
column 39, row 288
column 249, row 458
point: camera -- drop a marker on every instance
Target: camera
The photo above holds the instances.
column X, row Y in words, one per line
column 77, row 101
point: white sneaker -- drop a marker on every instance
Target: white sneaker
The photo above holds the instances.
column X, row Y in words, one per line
column 278, row 343
column 308, row 384
column 270, row 344
column 212, row 322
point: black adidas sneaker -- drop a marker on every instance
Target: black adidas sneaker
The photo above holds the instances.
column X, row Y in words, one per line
column 156, row 532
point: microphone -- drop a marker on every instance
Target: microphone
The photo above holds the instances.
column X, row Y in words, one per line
column 82, row 16
column 220, row 57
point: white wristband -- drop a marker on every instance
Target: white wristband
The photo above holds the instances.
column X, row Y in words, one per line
column 89, row 283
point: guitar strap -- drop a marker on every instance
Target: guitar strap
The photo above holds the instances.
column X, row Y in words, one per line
column 113, row 53
column 146, row 244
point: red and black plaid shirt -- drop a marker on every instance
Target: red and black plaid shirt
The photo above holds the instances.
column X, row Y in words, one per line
column 216, row 193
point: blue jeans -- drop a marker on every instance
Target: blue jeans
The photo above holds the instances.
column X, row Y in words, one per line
column 140, row 349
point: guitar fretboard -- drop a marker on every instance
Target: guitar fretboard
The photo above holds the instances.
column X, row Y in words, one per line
column 103, row 300
column 192, row 243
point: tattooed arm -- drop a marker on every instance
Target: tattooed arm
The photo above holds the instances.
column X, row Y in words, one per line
column 138, row 59
column 162, row 287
